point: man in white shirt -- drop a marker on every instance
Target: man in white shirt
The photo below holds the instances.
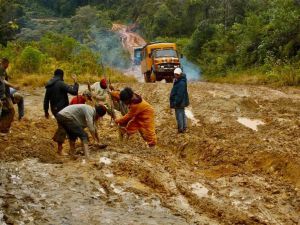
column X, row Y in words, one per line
column 75, row 118
column 100, row 92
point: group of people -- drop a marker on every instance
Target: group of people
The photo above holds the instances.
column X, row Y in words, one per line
column 8, row 97
column 101, row 98
column 83, row 111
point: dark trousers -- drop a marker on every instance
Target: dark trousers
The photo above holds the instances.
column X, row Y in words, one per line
column 73, row 129
column 181, row 119
column 19, row 100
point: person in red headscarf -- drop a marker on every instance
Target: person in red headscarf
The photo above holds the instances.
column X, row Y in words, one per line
column 100, row 92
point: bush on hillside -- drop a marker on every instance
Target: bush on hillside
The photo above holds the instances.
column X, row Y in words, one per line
column 60, row 47
column 30, row 60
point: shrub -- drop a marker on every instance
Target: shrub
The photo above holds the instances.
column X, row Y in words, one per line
column 30, row 60
column 58, row 46
column 85, row 61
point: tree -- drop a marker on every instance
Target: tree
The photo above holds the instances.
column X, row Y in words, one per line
column 11, row 11
column 164, row 22
column 87, row 17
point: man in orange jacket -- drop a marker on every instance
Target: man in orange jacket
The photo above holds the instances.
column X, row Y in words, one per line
column 139, row 118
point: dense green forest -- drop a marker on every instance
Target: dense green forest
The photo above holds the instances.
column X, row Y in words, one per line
column 224, row 37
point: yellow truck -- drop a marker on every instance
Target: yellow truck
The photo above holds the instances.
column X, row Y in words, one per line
column 158, row 61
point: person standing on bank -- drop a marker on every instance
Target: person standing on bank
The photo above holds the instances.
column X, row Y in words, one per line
column 57, row 95
column 179, row 99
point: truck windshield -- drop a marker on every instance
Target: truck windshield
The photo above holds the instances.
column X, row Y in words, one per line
column 165, row 53
column 137, row 56
column 138, row 53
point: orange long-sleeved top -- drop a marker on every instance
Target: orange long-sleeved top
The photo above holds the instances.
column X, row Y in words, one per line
column 142, row 112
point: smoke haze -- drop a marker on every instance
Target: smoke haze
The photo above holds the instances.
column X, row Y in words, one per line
column 191, row 70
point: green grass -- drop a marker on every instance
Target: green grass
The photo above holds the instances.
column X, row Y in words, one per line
column 286, row 75
column 40, row 79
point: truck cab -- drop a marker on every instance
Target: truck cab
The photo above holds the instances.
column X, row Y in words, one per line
column 159, row 60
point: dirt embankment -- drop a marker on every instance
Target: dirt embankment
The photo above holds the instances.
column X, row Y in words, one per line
column 220, row 172
column 130, row 40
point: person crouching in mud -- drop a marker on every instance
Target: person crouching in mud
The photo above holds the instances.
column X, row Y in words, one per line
column 139, row 118
column 74, row 118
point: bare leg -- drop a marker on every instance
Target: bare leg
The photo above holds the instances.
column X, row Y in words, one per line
column 59, row 148
column 86, row 150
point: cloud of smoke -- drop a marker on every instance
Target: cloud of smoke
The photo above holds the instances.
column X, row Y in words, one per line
column 109, row 46
column 192, row 71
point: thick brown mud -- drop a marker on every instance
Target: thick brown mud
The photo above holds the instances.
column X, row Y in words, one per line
column 220, row 172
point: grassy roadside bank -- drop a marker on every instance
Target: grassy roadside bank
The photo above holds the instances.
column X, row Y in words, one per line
column 39, row 80
column 278, row 76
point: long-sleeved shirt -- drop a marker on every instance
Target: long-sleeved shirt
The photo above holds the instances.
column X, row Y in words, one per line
column 139, row 110
column 101, row 94
column 57, row 94
column 179, row 97
column 84, row 115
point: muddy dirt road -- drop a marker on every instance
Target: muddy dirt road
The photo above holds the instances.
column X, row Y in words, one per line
column 130, row 40
column 220, row 172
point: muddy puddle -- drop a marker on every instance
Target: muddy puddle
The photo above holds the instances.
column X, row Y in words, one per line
column 189, row 114
column 252, row 124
